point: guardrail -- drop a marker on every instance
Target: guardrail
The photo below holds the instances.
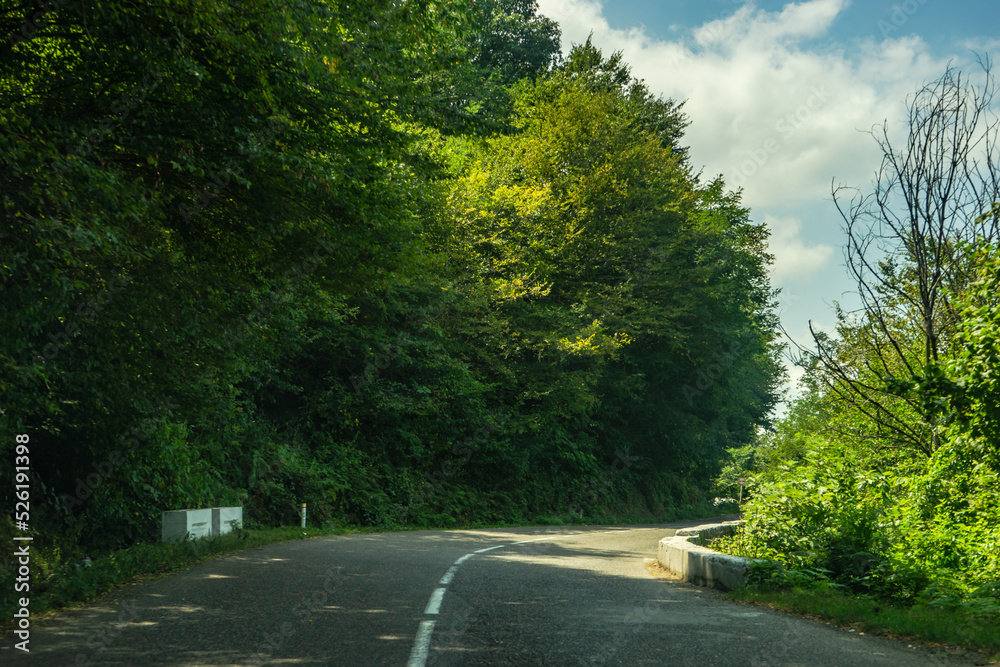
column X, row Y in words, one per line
column 684, row 555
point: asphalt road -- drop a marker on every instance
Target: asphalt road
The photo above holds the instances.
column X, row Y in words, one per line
column 569, row 596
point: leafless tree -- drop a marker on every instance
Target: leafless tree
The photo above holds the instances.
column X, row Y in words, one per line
column 906, row 237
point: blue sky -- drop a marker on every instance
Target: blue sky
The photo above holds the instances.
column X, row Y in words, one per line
column 938, row 22
column 781, row 97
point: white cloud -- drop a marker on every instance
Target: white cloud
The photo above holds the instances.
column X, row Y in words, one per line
column 769, row 112
column 795, row 21
column 780, row 111
column 794, row 260
column 982, row 45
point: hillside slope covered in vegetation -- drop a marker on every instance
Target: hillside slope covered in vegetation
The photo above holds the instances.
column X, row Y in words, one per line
column 398, row 261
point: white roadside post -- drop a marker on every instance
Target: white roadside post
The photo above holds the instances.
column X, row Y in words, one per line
column 303, row 515
column 741, row 480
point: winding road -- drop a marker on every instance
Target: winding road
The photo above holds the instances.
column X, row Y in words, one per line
column 527, row 596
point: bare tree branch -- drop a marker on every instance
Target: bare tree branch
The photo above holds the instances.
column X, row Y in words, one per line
column 932, row 195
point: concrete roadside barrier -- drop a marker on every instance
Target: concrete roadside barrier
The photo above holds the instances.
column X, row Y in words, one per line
column 180, row 525
column 226, row 520
column 685, row 555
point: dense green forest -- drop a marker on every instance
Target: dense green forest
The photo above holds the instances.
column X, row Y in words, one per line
column 882, row 479
column 400, row 261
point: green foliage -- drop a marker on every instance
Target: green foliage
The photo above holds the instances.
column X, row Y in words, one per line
column 184, row 188
column 822, row 514
column 973, row 394
column 882, row 477
column 891, row 522
column 514, row 42
column 395, row 260
column 740, row 465
column 605, row 261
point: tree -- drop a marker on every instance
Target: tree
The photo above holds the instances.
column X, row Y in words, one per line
column 663, row 117
column 910, row 380
column 974, row 396
column 500, row 43
column 183, row 187
column 617, row 278
column 904, row 250
column 514, row 42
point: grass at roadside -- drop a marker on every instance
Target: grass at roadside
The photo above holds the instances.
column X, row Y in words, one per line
column 940, row 626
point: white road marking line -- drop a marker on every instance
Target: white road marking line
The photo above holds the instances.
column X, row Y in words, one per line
column 482, row 551
column 434, row 604
column 448, row 576
column 422, row 645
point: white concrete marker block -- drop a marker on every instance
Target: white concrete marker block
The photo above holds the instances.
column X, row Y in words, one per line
column 226, row 519
column 178, row 524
